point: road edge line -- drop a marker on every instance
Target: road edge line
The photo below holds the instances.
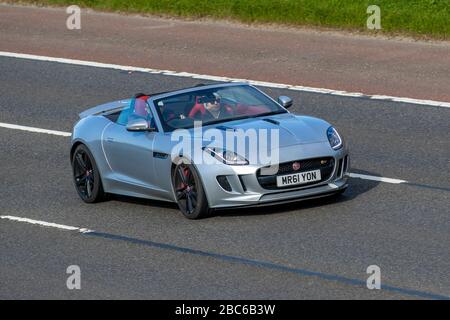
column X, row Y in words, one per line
column 422, row 102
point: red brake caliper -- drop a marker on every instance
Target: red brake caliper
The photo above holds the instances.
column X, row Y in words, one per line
column 186, row 174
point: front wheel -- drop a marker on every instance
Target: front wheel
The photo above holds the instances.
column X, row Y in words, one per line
column 189, row 193
column 86, row 176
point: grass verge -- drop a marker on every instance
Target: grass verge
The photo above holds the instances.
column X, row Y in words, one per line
column 423, row 18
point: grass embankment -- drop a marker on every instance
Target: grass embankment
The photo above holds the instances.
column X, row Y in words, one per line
column 423, row 18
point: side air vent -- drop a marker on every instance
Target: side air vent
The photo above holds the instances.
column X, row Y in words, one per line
column 242, row 183
column 345, row 164
column 339, row 169
column 271, row 121
column 223, row 182
column 225, row 128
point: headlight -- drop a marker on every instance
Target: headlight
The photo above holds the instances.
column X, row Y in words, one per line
column 227, row 157
column 334, row 138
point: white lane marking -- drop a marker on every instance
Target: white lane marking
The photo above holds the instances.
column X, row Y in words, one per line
column 33, row 129
column 47, row 224
column 422, row 102
column 375, row 178
column 68, row 134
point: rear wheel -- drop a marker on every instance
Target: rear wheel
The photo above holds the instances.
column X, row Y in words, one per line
column 189, row 193
column 86, row 175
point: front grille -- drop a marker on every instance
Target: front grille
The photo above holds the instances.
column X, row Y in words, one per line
column 326, row 166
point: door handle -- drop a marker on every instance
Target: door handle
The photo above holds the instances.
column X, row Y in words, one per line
column 109, row 139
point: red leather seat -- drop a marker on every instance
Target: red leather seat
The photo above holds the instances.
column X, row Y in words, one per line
column 197, row 110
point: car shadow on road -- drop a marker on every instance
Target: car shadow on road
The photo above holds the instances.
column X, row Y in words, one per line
column 143, row 202
column 356, row 188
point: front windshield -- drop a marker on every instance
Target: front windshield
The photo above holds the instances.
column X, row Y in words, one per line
column 214, row 106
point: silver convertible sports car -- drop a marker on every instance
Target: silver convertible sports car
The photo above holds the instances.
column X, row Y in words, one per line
column 207, row 147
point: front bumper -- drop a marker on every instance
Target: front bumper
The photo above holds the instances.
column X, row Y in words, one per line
column 244, row 188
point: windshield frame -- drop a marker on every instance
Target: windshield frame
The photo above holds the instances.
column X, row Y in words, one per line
column 152, row 99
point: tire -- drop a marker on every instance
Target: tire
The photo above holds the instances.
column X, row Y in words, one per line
column 86, row 176
column 187, row 185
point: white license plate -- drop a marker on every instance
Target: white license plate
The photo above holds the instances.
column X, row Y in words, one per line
column 298, row 178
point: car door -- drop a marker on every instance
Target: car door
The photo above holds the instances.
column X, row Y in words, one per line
column 130, row 154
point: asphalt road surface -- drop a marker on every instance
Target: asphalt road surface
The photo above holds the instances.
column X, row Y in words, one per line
column 340, row 61
column 148, row 250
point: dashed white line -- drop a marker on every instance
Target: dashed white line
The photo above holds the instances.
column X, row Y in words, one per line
column 33, row 129
column 422, row 102
column 46, row 224
column 375, row 178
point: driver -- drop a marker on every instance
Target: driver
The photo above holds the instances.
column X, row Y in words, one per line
column 208, row 107
column 212, row 105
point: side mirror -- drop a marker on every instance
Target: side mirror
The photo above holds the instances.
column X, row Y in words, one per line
column 285, row 101
column 139, row 125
